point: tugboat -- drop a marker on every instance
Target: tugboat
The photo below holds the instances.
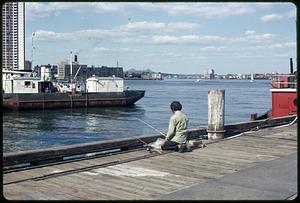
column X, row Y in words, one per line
column 284, row 96
column 23, row 90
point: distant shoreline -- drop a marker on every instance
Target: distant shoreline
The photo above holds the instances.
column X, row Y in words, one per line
column 140, row 79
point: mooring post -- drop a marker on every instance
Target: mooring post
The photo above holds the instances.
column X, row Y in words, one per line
column 216, row 109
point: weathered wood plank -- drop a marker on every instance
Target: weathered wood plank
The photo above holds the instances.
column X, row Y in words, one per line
column 84, row 190
column 35, row 172
column 136, row 186
column 115, row 191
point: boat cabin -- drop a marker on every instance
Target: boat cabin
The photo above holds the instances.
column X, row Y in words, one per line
column 24, row 82
column 105, row 84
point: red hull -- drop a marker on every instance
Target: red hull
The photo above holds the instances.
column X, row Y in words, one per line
column 284, row 103
column 284, row 96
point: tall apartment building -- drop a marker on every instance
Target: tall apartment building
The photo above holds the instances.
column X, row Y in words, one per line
column 13, row 46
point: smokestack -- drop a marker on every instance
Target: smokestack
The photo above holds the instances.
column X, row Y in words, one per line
column 291, row 66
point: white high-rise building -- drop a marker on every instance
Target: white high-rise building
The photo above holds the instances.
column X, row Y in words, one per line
column 13, row 16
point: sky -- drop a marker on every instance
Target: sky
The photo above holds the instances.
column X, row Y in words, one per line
column 182, row 38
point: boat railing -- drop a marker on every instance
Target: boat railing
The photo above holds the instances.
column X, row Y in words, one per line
column 284, row 81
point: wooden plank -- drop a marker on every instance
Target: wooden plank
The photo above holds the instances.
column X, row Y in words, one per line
column 178, row 178
column 19, row 192
column 182, row 170
column 85, row 190
column 209, row 166
column 36, row 172
column 134, row 171
column 27, row 190
column 108, row 188
column 275, row 151
column 136, row 186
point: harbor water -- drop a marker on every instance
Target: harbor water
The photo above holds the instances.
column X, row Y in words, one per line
column 28, row 130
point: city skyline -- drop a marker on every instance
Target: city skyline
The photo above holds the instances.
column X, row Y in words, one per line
column 184, row 38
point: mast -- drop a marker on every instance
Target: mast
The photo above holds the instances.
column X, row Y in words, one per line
column 71, row 68
column 32, row 48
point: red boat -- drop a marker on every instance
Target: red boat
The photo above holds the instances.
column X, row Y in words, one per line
column 284, row 96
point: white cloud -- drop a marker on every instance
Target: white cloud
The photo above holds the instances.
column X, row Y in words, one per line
column 182, row 26
column 250, row 32
column 102, row 49
column 278, row 16
column 128, row 50
column 136, row 39
column 276, row 46
column 161, row 39
column 212, row 48
column 207, row 10
column 271, row 17
column 258, row 38
column 205, row 39
column 107, row 50
column 159, row 26
column 85, row 34
column 126, row 37
column 39, row 10
column 253, row 38
column 144, row 25
column 172, row 55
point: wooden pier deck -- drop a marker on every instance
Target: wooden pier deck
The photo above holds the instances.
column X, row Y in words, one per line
column 140, row 175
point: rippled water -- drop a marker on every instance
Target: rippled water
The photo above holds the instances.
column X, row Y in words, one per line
column 26, row 130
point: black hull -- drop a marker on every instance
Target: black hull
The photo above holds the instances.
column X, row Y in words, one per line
column 66, row 100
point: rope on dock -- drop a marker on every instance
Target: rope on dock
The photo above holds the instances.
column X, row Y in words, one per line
column 286, row 125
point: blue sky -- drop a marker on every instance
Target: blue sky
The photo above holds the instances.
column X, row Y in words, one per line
column 173, row 37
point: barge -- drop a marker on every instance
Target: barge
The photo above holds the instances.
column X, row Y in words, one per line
column 22, row 90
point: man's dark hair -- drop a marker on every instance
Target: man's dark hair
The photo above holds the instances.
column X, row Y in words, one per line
column 175, row 106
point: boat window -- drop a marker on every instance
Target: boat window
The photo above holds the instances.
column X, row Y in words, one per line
column 33, row 85
column 27, row 83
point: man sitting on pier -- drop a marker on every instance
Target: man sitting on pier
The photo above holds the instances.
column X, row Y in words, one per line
column 176, row 136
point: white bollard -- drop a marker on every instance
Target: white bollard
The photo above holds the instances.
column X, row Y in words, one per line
column 216, row 113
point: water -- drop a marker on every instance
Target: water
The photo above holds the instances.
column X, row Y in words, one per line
column 27, row 130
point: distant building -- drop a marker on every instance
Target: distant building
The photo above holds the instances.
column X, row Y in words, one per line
column 28, row 65
column 209, row 74
column 13, row 56
column 156, row 76
column 61, row 73
column 76, row 69
column 37, row 69
column 105, row 71
column 83, row 71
